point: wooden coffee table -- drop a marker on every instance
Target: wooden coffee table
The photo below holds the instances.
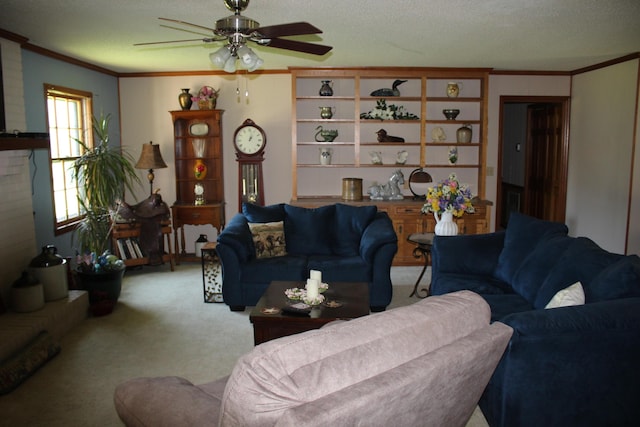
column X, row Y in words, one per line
column 354, row 297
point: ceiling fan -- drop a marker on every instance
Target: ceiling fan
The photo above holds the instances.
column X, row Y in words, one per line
column 238, row 29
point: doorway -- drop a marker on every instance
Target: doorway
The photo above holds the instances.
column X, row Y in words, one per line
column 532, row 158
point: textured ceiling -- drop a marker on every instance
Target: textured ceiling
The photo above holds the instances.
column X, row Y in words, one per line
column 560, row 35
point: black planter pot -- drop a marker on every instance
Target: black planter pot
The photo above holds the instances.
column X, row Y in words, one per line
column 103, row 288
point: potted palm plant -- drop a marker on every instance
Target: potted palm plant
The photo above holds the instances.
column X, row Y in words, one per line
column 103, row 172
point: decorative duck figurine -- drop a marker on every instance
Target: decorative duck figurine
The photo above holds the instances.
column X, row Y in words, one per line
column 384, row 137
column 389, row 92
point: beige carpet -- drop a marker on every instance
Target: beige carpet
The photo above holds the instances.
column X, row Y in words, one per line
column 161, row 326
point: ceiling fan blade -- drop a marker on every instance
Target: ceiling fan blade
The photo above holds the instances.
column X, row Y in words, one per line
column 187, row 23
column 315, row 49
column 206, row 40
column 292, row 29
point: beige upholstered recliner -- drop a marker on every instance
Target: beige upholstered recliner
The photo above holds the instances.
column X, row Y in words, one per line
column 421, row 365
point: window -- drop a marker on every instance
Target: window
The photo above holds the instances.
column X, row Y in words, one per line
column 69, row 119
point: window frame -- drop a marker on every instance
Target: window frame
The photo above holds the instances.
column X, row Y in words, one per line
column 85, row 100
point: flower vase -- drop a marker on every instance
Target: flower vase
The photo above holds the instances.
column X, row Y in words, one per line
column 185, row 99
column 199, row 169
column 445, row 226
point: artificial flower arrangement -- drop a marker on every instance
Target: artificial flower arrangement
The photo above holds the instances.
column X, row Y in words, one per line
column 449, row 196
column 382, row 111
column 206, row 93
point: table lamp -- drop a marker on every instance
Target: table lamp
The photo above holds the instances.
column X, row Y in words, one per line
column 150, row 159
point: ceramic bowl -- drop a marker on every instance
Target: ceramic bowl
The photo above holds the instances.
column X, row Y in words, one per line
column 451, row 114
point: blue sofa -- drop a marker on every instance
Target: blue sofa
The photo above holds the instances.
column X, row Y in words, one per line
column 567, row 366
column 346, row 243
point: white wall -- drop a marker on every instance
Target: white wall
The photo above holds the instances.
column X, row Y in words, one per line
column 603, row 110
column 144, row 106
column 514, row 85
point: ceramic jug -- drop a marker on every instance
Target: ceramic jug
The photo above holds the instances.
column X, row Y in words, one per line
column 326, row 112
column 445, row 226
column 326, row 89
column 325, row 155
column 463, row 134
column 202, row 240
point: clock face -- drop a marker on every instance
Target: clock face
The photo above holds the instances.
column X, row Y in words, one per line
column 249, row 140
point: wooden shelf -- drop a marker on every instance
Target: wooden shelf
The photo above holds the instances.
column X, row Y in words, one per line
column 132, row 230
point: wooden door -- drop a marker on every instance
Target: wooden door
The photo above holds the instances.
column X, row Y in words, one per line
column 544, row 164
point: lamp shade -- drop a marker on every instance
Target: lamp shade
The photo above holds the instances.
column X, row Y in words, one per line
column 150, row 158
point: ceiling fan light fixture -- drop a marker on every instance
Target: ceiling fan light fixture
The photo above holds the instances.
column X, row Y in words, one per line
column 220, row 57
column 230, row 65
column 249, row 59
column 256, row 65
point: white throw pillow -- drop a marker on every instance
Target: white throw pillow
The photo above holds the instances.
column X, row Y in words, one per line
column 573, row 295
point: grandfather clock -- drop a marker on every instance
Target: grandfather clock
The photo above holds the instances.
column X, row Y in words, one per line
column 249, row 141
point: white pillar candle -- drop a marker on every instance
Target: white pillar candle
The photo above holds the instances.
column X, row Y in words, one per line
column 312, row 288
column 315, row 274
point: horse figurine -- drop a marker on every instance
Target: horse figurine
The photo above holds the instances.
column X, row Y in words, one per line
column 390, row 190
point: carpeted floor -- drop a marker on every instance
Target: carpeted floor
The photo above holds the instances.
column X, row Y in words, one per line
column 161, row 326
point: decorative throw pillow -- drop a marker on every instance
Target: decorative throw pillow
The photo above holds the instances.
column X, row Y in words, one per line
column 268, row 239
column 309, row 231
column 573, row 295
column 256, row 213
column 522, row 235
column 349, row 226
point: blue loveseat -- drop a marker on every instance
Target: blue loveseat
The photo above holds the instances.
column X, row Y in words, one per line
column 568, row 366
column 346, row 243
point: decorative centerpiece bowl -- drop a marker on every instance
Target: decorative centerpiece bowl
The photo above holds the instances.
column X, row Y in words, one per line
column 451, row 114
column 313, row 301
column 295, row 294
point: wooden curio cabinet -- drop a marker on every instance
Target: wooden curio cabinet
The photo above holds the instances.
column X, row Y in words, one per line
column 198, row 163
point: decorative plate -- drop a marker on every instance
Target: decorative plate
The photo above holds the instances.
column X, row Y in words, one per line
column 333, row 304
column 199, row 129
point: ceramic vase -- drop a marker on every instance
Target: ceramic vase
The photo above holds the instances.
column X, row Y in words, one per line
column 199, row 169
column 185, row 99
column 453, row 89
column 445, row 226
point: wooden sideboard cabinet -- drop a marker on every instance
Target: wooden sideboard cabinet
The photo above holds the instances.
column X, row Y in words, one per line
column 407, row 219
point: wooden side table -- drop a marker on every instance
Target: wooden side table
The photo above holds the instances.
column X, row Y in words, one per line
column 423, row 242
column 188, row 214
column 211, row 273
